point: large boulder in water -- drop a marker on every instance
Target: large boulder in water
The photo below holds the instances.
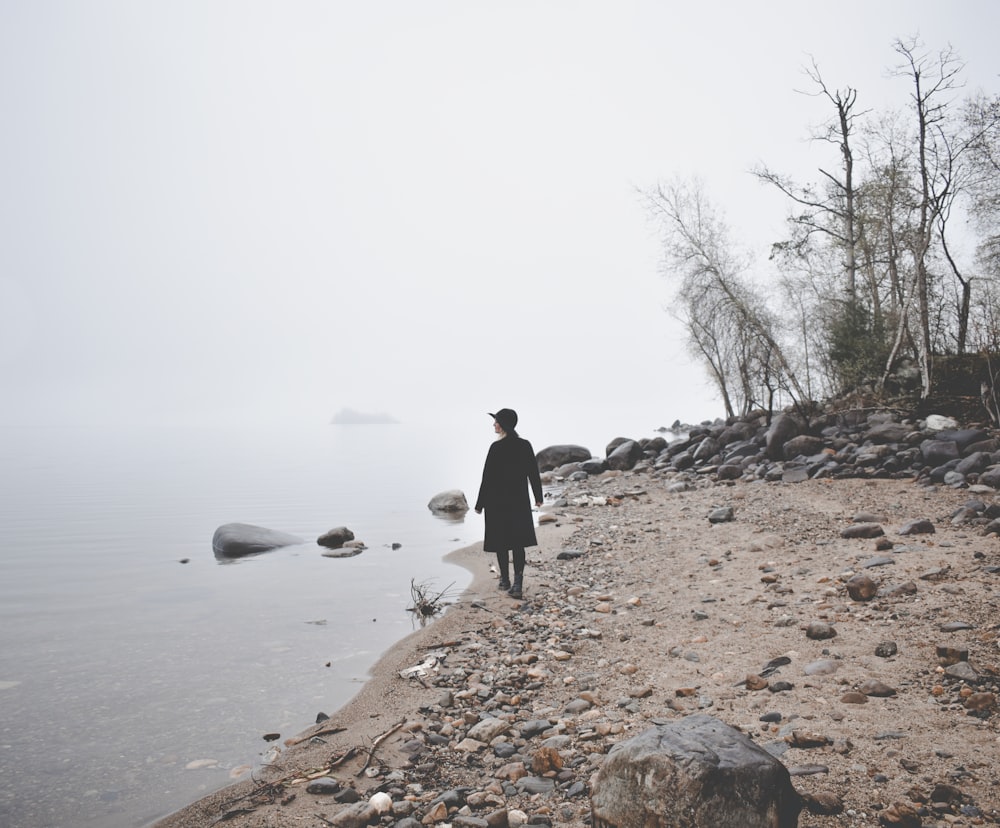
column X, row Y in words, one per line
column 555, row 456
column 235, row 540
column 452, row 500
column 697, row 772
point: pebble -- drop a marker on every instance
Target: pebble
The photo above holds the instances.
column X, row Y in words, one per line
column 874, row 687
column 921, row 526
column 324, row 786
column 820, row 630
column 823, row 667
column 862, row 530
column 878, row 560
column 861, row 588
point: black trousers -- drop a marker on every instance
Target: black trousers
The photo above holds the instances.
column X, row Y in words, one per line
column 503, row 563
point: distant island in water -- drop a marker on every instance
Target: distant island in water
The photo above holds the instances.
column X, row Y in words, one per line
column 348, row 416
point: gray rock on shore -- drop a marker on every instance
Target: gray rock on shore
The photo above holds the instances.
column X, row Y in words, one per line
column 793, row 448
column 555, row 456
column 698, row 772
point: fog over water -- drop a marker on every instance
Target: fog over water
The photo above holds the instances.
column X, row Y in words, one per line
column 137, row 670
column 251, row 211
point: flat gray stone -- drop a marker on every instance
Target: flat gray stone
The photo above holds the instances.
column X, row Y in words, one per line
column 236, row 540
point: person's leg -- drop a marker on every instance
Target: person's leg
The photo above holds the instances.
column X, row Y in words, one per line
column 503, row 565
column 518, row 585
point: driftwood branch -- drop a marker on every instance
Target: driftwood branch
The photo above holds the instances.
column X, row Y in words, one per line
column 377, row 742
column 347, row 757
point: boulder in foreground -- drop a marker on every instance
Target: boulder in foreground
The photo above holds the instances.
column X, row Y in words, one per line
column 235, row 540
column 697, row 772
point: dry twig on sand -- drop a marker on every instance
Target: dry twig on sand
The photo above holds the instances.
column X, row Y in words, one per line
column 377, row 742
column 426, row 603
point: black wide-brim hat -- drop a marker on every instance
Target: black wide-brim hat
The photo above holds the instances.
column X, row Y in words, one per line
column 507, row 417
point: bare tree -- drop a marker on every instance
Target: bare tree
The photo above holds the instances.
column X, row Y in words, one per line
column 982, row 118
column 728, row 324
column 831, row 209
column 934, row 80
column 888, row 216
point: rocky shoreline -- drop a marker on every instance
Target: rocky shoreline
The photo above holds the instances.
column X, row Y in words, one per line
column 836, row 601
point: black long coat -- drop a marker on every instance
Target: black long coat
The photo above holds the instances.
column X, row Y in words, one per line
column 503, row 495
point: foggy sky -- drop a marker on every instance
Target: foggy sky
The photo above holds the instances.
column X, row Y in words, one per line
column 265, row 211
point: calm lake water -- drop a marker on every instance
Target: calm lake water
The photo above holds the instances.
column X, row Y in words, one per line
column 131, row 683
column 120, row 666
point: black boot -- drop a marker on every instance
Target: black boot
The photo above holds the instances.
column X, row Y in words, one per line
column 515, row 590
column 503, row 566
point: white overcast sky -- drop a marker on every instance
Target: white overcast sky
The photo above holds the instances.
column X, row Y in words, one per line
column 256, row 211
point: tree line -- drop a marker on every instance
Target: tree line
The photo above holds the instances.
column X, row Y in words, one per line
column 867, row 280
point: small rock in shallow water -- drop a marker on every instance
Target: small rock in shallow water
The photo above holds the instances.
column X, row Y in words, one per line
column 341, row 552
column 336, row 537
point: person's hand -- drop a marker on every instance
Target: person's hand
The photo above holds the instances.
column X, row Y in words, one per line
column 538, row 503
column 479, row 511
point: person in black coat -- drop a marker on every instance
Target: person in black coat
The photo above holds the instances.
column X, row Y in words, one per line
column 510, row 468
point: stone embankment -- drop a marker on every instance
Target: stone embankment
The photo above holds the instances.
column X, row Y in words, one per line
column 848, row 624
